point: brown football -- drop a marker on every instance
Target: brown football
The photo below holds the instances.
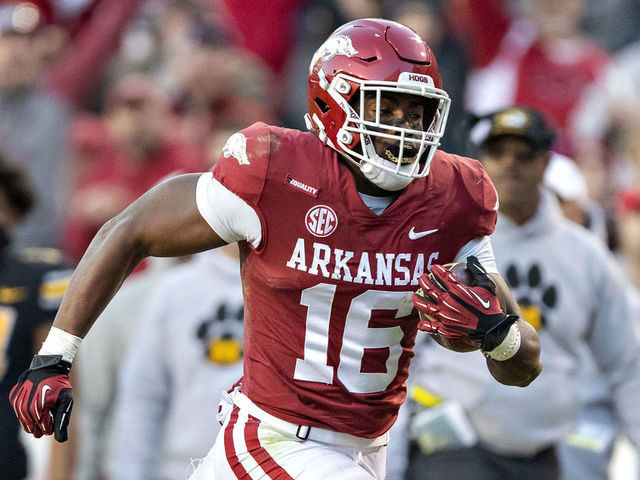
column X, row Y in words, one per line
column 463, row 344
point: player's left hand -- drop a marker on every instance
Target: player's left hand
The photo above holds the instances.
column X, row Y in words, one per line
column 455, row 310
column 42, row 397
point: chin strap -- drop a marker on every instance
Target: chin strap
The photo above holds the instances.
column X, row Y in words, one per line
column 380, row 177
column 384, row 179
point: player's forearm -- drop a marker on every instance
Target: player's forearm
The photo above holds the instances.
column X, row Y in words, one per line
column 111, row 256
column 521, row 369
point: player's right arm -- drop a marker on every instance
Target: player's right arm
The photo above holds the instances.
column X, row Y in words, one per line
column 165, row 221
column 525, row 365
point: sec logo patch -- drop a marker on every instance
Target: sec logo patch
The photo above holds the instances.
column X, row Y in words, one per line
column 321, row 221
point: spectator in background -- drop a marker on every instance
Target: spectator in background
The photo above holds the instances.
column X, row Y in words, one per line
column 628, row 199
column 24, row 108
column 37, row 95
column 626, row 148
column 188, row 348
column 265, row 28
column 162, row 31
column 587, row 451
column 564, row 178
column 212, row 82
column 101, row 355
column 613, row 24
column 219, row 86
column 628, row 59
column 140, row 151
column 537, row 57
column 427, row 19
column 32, row 282
column 571, row 290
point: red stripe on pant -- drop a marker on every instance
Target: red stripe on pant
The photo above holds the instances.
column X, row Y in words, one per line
column 261, row 456
column 268, row 464
column 230, row 449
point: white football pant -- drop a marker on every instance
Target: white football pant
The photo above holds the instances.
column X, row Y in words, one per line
column 266, row 448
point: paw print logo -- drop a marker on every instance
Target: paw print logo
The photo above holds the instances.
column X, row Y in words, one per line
column 535, row 297
column 221, row 334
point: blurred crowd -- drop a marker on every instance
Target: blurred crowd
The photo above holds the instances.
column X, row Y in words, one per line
column 102, row 99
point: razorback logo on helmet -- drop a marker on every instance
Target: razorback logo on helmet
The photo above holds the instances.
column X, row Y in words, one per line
column 236, row 147
column 321, row 221
column 336, row 45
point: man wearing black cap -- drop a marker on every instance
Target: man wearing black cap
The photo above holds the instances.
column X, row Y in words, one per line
column 515, row 153
column 466, row 427
column 38, row 96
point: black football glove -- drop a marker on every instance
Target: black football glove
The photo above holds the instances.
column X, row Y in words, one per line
column 42, row 397
column 455, row 310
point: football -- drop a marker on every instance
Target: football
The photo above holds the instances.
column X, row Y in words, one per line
column 459, row 269
column 463, row 344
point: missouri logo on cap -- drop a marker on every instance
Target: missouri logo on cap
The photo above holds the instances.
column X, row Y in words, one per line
column 513, row 121
column 525, row 122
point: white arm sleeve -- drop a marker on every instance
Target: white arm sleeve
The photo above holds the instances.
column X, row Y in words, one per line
column 227, row 214
column 480, row 248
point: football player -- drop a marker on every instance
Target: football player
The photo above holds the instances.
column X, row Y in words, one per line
column 337, row 229
column 32, row 282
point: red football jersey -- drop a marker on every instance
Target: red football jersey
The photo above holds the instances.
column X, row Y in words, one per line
column 329, row 323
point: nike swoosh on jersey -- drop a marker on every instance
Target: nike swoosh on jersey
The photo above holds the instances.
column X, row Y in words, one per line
column 413, row 235
column 484, row 303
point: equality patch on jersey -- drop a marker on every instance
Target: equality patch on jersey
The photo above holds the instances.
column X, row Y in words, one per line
column 298, row 185
column 321, row 221
column 236, row 147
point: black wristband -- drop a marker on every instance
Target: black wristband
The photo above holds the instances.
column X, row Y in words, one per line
column 44, row 361
column 496, row 334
